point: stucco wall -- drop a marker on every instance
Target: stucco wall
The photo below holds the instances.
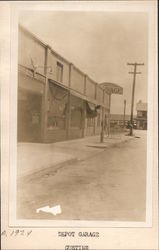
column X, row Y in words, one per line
column 52, row 61
column 32, row 48
column 99, row 95
column 28, row 49
column 29, row 84
column 90, row 88
column 77, row 80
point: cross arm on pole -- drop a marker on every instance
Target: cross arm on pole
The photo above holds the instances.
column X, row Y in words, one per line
column 141, row 64
column 130, row 63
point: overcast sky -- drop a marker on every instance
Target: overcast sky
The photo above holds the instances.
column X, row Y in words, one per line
column 100, row 44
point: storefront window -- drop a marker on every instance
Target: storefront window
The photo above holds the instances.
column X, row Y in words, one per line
column 57, row 109
column 76, row 112
column 144, row 114
column 139, row 113
column 29, row 116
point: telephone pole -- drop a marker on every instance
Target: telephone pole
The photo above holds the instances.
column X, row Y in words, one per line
column 124, row 114
column 133, row 91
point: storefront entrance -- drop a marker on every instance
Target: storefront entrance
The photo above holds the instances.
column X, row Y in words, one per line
column 76, row 119
column 29, row 116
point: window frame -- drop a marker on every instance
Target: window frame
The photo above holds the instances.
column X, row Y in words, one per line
column 59, row 73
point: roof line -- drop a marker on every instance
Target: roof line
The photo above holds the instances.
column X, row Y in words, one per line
column 53, row 51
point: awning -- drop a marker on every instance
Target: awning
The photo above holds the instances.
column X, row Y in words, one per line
column 91, row 110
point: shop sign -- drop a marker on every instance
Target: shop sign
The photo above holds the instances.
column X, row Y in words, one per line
column 112, row 88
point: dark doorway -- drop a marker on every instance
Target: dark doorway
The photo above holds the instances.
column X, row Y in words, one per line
column 29, row 116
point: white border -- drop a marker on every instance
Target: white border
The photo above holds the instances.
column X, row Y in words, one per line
column 80, row 6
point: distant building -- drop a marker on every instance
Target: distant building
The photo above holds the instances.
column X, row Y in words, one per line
column 118, row 120
column 141, row 119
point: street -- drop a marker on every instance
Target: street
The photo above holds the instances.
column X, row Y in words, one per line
column 111, row 185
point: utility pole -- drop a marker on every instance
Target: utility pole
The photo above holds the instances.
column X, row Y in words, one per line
column 133, row 92
column 124, row 113
column 102, row 128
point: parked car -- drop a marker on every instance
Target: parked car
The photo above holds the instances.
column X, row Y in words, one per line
column 134, row 125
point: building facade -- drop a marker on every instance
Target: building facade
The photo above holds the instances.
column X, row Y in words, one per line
column 56, row 100
column 141, row 119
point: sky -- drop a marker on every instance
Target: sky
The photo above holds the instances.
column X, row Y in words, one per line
column 100, row 44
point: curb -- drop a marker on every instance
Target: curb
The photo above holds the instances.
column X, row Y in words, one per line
column 53, row 168
column 106, row 145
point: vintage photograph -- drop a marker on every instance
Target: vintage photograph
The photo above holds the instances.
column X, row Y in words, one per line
column 82, row 115
column 79, row 128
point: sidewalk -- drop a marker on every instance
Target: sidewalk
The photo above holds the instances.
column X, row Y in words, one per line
column 34, row 157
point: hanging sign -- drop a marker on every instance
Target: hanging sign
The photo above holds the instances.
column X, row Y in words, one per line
column 112, row 88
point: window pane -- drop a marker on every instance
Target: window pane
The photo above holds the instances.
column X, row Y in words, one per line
column 59, row 72
column 76, row 112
